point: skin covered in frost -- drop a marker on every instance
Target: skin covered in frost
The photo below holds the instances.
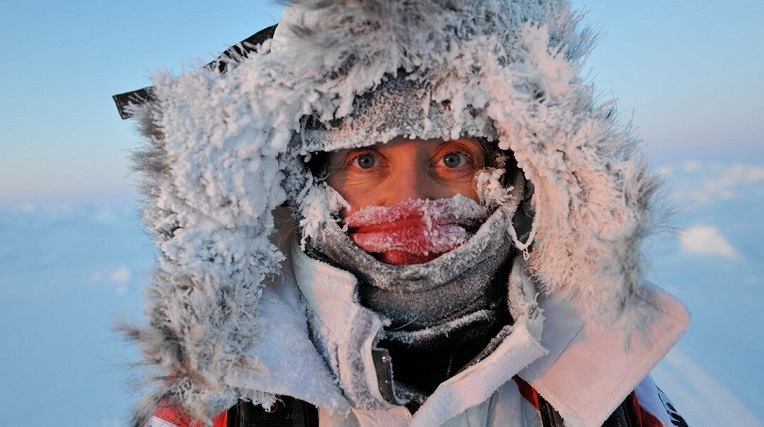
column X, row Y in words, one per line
column 398, row 194
column 415, row 231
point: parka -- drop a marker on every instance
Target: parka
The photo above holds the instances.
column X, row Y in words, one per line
column 238, row 310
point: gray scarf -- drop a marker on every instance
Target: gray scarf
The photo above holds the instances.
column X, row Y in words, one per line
column 452, row 305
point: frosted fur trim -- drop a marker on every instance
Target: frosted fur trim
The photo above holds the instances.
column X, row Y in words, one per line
column 593, row 194
column 225, row 151
column 204, row 293
column 492, row 192
column 320, row 204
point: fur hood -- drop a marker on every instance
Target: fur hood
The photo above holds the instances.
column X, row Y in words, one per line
column 225, row 151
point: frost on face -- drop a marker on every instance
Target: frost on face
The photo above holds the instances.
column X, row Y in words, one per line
column 415, row 231
column 490, row 189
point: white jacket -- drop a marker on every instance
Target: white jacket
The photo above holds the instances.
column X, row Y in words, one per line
column 584, row 375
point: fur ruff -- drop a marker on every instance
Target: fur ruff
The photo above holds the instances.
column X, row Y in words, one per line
column 222, row 156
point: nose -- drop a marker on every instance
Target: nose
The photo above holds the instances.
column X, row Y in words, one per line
column 410, row 183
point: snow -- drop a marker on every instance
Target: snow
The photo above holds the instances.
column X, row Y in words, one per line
column 67, row 271
column 724, row 294
column 62, row 362
column 700, row 397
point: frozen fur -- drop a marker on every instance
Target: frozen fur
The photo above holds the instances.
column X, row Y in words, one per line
column 225, row 151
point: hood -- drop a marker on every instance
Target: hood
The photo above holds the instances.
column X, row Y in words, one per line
column 227, row 147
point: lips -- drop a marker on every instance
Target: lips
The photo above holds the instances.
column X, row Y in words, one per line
column 417, row 231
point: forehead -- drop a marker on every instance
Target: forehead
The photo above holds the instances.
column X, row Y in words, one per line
column 404, row 144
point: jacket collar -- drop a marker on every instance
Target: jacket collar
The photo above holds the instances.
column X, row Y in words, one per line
column 348, row 332
column 590, row 369
column 581, row 368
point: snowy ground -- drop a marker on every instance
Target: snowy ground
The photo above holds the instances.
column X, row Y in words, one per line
column 715, row 267
column 67, row 272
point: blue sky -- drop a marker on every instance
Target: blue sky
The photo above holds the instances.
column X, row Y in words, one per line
column 689, row 73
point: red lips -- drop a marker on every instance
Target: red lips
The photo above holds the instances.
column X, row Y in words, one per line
column 416, row 231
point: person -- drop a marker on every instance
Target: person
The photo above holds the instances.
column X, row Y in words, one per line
column 392, row 213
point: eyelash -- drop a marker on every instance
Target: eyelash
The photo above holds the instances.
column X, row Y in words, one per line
column 470, row 160
column 354, row 159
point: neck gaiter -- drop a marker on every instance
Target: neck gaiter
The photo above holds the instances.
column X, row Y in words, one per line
column 442, row 312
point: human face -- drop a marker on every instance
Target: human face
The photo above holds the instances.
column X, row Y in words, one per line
column 403, row 169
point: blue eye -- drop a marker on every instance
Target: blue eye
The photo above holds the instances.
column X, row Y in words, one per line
column 365, row 161
column 454, row 159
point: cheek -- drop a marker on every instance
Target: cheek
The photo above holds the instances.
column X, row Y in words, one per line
column 451, row 183
column 355, row 198
column 359, row 192
column 464, row 187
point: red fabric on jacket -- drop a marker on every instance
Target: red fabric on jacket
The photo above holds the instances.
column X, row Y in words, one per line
column 645, row 418
column 175, row 416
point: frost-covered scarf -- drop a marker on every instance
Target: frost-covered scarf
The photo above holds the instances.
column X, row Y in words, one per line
column 439, row 307
column 415, row 231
